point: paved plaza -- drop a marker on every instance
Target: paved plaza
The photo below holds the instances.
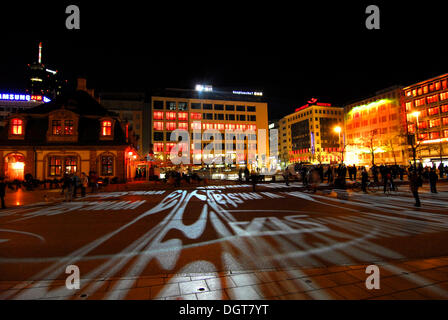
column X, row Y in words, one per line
column 224, row 241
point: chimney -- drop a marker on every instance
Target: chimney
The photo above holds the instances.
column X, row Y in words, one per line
column 82, row 85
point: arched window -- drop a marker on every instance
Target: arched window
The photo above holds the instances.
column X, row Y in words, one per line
column 107, row 165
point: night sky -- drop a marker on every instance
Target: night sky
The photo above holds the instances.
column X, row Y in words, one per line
column 290, row 52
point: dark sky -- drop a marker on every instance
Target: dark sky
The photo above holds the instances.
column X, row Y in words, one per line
column 289, row 50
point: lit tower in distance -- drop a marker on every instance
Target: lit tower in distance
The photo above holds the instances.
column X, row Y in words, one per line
column 43, row 81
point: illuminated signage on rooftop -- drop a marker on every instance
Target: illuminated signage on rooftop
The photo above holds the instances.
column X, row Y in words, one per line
column 203, row 88
column 248, row 93
column 313, row 102
column 23, row 97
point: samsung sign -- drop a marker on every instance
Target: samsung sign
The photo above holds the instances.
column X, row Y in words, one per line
column 22, row 97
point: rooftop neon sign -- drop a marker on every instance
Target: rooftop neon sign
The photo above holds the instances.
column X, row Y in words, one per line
column 23, row 97
column 370, row 105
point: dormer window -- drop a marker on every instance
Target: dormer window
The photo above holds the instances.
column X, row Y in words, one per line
column 17, row 127
column 58, row 130
column 106, row 128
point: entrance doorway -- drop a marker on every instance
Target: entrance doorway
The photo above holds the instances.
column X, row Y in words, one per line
column 14, row 166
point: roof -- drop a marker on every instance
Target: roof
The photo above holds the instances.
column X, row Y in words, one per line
column 214, row 95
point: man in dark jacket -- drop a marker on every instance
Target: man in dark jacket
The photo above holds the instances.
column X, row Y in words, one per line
column 415, row 182
column 433, row 180
column 364, row 179
column 2, row 191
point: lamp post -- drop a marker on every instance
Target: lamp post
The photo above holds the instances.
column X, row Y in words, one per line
column 338, row 130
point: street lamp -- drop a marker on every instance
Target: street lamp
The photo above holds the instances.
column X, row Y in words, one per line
column 338, row 130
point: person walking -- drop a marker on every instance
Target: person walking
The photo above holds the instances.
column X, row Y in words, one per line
column 433, row 180
column 441, row 170
column 246, row 174
column 364, row 179
column 354, row 172
column 76, row 183
column 415, row 182
column 84, row 184
column 254, row 178
column 286, row 176
column 2, row 191
column 67, row 188
column 240, row 175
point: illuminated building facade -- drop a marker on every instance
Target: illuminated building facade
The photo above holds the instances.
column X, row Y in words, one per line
column 375, row 130
column 426, row 103
column 308, row 135
column 208, row 109
column 71, row 134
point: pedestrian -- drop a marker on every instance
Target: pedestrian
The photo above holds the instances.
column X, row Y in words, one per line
column 364, row 179
column 84, row 184
column 433, row 180
column 354, row 172
column 246, row 174
column 67, row 188
column 254, row 178
column 240, row 175
column 286, row 176
column 2, row 191
column 415, row 182
column 441, row 170
column 76, row 183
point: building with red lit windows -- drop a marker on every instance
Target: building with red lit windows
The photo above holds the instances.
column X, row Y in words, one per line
column 426, row 107
column 205, row 109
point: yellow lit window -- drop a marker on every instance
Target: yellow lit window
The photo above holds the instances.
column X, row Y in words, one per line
column 106, row 128
column 17, row 126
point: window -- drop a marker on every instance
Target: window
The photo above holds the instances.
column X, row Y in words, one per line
column 107, row 165
column 432, row 99
column 182, row 116
column 182, row 106
column 434, row 135
column 419, row 102
column 411, row 128
column 444, row 108
column 170, row 116
column 158, row 136
column 408, row 106
column 106, row 128
column 70, row 165
column 230, row 108
column 422, row 125
column 158, row 105
column 158, row 125
column 207, row 116
column 158, row 147
column 17, row 126
column 434, row 123
column 425, row 89
column 55, row 166
column 219, row 107
column 240, row 108
column 56, row 127
column 207, row 106
column 171, row 126
column 219, row 116
column 158, row 115
column 196, row 126
column 433, row 111
column 251, row 108
column 443, row 96
column 230, row 117
column 196, row 106
column 68, row 127
column 445, row 121
column 171, row 105
column 183, row 125
column 195, row 116
column 252, row 117
column 437, row 85
column 242, row 117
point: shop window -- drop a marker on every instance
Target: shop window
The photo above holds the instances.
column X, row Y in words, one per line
column 107, row 165
column 70, row 165
column 14, row 166
column 434, row 135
